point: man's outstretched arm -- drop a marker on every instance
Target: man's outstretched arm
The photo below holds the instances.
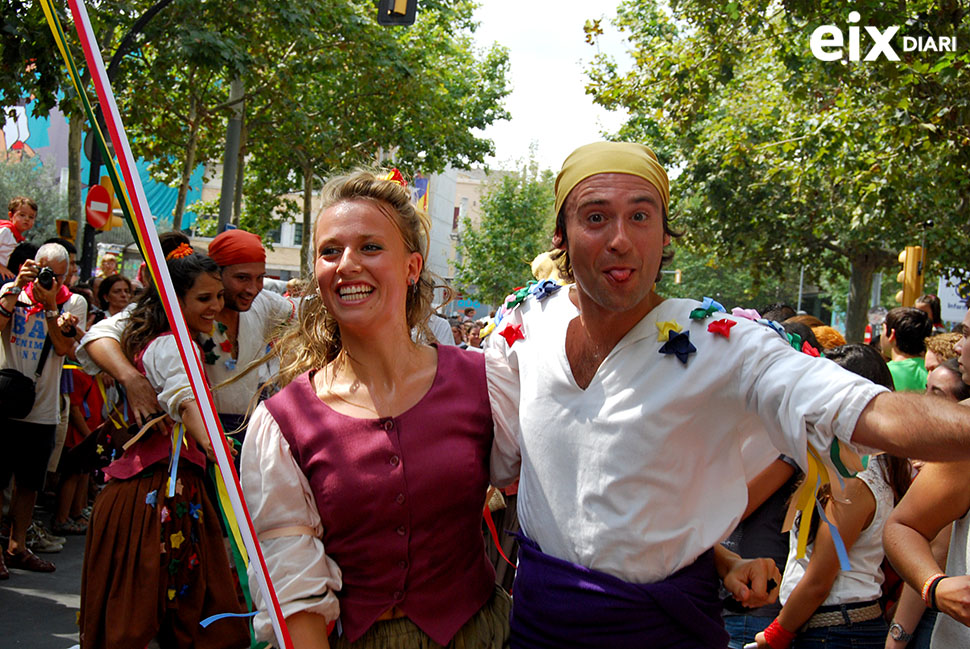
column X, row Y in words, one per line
column 915, row 426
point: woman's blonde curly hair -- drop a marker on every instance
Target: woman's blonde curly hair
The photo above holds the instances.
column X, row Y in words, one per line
column 313, row 340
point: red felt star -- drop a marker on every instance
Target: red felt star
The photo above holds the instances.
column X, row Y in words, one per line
column 512, row 333
column 722, row 326
column 808, row 349
column 225, row 346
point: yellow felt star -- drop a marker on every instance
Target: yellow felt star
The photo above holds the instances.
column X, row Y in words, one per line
column 665, row 328
column 177, row 539
column 99, row 449
column 487, row 329
column 171, row 593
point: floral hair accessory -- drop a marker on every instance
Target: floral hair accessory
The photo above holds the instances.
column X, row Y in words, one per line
column 394, row 175
column 184, row 250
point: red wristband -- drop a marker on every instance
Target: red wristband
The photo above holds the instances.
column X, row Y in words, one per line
column 777, row 636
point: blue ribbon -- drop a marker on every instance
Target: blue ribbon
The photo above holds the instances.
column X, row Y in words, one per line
column 836, row 539
column 213, row 618
column 179, row 431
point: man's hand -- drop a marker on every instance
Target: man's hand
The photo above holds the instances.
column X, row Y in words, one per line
column 66, row 321
column 142, row 399
column 27, row 274
column 47, row 297
column 953, row 598
column 747, row 581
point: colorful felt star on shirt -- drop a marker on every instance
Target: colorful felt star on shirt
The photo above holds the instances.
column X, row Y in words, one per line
column 512, row 333
column 666, row 327
column 151, row 498
column 195, row 510
column 795, row 341
column 193, row 561
column 808, row 349
column 164, row 514
column 230, row 364
column 679, row 345
column 487, row 329
column 179, row 487
column 177, row 540
column 708, row 306
column 750, row 314
column 771, row 324
column 544, row 289
column 226, row 346
column 722, row 326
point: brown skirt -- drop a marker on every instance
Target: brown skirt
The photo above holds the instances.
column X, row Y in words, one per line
column 155, row 566
column 487, row 629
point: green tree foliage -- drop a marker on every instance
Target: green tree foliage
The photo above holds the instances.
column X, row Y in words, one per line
column 351, row 87
column 786, row 160
column 516, row 225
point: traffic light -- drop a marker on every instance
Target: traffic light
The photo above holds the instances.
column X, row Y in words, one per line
column 911, row 276
column 66, row 229
column 396, row 12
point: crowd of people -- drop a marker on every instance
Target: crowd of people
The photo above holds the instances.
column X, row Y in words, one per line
column 653, row 453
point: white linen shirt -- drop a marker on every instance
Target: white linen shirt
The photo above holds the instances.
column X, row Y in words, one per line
column 644, row 470
column 256, row 327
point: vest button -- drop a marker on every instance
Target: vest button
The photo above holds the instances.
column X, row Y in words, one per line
column 400, row 499
column 402, row 530
column 389, row 424
column 398, row 595
column 395, row 460
column 402, row 565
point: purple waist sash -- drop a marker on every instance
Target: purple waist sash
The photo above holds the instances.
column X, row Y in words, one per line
column 560, row 604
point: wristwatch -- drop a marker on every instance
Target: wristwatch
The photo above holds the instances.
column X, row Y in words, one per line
column 51, row 313
column 896, row 632
column 11, row 290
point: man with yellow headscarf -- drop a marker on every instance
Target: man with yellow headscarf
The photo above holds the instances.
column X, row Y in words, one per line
column 634, row 423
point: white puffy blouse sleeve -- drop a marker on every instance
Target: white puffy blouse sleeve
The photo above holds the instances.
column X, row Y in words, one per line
column 288, row 527
column 112, row 327
column 165, row 371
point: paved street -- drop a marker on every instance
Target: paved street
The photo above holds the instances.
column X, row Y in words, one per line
column 39, row 611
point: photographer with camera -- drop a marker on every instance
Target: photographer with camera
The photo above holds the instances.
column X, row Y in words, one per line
column 38, row 324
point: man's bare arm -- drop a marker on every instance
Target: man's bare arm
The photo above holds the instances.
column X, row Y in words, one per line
column 107, row 354
column 915, row 426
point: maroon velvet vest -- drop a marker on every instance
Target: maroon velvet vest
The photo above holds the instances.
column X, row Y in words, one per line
column 401, row 498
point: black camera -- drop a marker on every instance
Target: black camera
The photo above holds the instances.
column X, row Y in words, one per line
column 46, row 278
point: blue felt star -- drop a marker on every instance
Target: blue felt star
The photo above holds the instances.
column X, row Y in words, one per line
column 231, row 364
column 708, row 303
column 195, row 510
column 771, row 324
column 151, row 498
column 679, row 345
column 544, row 289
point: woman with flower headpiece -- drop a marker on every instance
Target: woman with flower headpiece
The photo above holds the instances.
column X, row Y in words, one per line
column 155, row 563
column 366, row 474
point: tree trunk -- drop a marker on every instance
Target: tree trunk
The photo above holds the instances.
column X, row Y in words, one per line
column 307, row 208
column 860, row 284
column 188, row 166
column 75, row 210
column 240, row 175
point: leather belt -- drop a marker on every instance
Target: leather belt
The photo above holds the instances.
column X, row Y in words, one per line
column 844, row 616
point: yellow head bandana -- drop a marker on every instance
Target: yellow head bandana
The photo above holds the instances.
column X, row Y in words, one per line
column 611, row 158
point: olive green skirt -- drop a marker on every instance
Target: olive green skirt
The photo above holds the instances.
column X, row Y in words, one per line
column 487, row 629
